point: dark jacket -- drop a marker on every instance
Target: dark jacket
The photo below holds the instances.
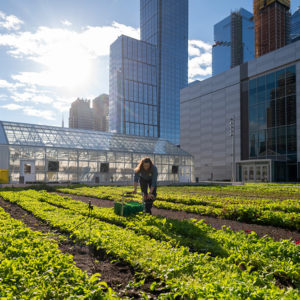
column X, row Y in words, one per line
column 147, row 176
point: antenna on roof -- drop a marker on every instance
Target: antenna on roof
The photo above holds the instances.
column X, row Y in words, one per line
column 63, row 121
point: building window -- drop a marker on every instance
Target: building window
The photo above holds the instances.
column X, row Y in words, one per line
column 104, row 168
column 272, row 116
column 53, row 166
column 27, row 168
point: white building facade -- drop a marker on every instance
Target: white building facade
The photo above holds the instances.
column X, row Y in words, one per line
column 263, row 98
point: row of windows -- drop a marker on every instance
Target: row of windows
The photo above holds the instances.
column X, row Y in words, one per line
column 279, row 142
column 140, row 113
column 149, row 28
column 140, row 72
column 153, row 39
column 148, row 8
column 72, row 156
column 141, row 129
column 139, row 92
column 137, row 50
column 275, row 113
column 272, row 116
column 275, row 85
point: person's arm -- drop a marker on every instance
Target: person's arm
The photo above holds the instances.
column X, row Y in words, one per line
column 135, row 183
column 154, row 180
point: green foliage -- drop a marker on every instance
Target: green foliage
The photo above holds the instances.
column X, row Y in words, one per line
column 274, row 205
column 241, row 267
column 32, row 267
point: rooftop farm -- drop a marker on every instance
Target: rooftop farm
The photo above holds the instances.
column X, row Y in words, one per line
column 171, row 257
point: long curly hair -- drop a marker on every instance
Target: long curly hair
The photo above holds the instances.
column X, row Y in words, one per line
column 140, row 166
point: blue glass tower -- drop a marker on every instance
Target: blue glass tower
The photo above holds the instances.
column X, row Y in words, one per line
column 221, row 51
column 133, row 104
column 295, row 26
column 234, row 41
column 164, row 23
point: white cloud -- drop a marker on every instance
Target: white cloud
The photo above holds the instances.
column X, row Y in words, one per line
column 66, row 23
column 46, row 41
column 201, row 45
column 63, row 107
column 200, row 60
column 67, row 60
column 4, row 84
column 67, row 56
column 31, row 111
column 44, row 114
column 9, row 22
column 32, row 98
column 12, row 106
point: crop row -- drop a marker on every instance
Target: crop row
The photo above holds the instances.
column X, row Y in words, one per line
column 32, row 267
column 256, row 190
column 195, row 235
column 188, row 274
column 284, row 215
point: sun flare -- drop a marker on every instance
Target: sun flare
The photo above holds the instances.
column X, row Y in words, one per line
column 67, row 67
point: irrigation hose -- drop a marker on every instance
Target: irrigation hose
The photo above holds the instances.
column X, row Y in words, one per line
column 88, row 217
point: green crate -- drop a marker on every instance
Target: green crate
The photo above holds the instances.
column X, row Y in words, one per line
column 130, row 208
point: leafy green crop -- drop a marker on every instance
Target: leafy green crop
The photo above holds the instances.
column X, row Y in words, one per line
column 32, row 267
column 241, row 203
column 251, row 268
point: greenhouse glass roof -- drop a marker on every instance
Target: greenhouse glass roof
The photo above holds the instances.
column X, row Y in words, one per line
column 58, row 137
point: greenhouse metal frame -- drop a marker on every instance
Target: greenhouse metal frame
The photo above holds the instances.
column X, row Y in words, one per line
column 38, row 153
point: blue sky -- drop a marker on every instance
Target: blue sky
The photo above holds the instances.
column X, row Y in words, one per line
column 53, row 51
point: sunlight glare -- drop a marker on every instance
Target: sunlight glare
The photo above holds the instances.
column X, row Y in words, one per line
column 67, row 66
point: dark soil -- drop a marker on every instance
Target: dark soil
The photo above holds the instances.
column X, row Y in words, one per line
column 117, row 274
column 274, row 232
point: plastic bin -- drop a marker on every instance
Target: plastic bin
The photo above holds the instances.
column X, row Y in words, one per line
column 130, row 208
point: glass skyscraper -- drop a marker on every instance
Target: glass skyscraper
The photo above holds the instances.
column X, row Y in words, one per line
column 295, row 26
column 272, row 121
column 234, row 41
column 164, row 23
column 133, row 101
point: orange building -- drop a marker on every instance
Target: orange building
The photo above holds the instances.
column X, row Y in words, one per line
column 272, row 25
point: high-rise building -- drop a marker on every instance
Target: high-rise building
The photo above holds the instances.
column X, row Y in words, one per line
column 272, row 25
column 245, row 122
column 101, row 111
column 81, row 115
column 133, row 104
column 234, row 41
column 295, row 26
column 164, row 23
column 146, row 76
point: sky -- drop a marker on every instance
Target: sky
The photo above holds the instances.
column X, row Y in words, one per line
column 55, row 51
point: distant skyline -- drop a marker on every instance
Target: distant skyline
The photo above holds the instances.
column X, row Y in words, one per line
column 52, row 52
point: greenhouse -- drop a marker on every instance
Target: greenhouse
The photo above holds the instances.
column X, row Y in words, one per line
column 36, row 153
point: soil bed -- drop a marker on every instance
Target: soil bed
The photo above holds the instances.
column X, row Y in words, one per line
column 274, row 232
column 117, row 275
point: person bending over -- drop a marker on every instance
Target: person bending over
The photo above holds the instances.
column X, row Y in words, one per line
column 146, row 174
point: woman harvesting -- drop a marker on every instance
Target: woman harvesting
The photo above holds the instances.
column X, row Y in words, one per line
column 146, row 174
